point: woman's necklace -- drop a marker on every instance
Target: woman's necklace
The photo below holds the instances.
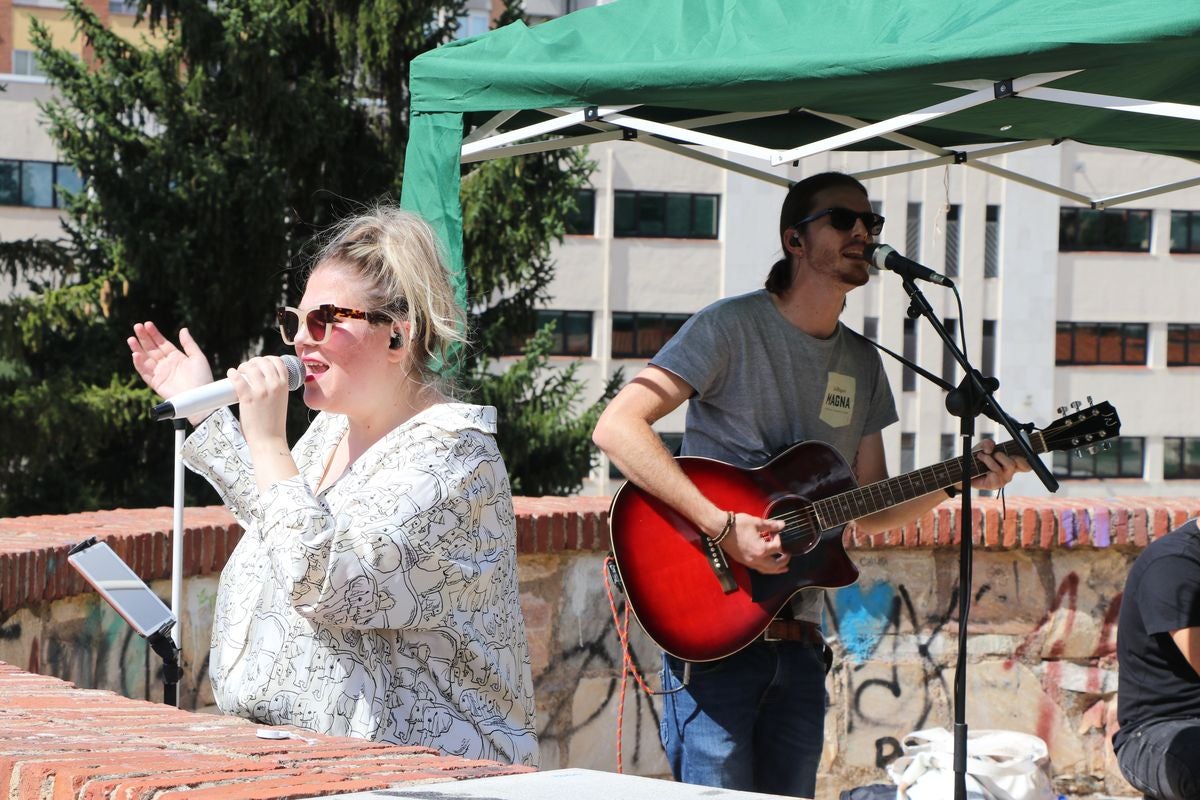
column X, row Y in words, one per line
column 321, row 487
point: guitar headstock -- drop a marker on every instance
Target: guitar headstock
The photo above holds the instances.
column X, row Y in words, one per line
column 1083, row 428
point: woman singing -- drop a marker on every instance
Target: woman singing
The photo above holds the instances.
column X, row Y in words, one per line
column 374, row 593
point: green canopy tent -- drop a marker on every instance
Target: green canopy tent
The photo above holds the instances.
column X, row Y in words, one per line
column 770, row 82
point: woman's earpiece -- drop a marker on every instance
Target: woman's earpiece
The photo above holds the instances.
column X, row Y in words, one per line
column 794, row 240
column 396, row 342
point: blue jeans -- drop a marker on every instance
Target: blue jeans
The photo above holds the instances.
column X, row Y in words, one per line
column 754, row 721
column 1162, row 759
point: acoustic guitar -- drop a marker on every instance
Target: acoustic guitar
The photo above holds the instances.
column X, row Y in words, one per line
column 699, row 610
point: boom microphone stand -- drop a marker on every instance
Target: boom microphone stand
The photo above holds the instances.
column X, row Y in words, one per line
column 972, row 397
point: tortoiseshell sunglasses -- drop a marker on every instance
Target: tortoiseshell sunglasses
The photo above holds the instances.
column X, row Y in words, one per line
column 319, row 321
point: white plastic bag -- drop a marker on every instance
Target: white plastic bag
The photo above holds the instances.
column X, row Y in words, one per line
column 1001, row 765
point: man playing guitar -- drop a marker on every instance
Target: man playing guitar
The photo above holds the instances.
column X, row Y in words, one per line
column 763, row 371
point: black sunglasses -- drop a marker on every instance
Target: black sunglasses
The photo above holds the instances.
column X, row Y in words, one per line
column 843, row 219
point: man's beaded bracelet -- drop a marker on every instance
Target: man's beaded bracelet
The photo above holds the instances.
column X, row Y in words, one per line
column 720, row 537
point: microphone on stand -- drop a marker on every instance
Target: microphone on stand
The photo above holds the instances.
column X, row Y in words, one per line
column 885, row 257
column 217, row 394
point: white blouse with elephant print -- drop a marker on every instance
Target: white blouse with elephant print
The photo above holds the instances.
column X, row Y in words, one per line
column 385, row 607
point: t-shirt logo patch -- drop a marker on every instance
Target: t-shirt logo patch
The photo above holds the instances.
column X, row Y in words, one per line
column 838, row 406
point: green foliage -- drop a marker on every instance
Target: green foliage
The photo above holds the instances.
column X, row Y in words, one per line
column 546, row 443
column 209, row 161
column 547, row 447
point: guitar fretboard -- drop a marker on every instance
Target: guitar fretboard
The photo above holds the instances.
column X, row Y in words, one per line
column 839, row 509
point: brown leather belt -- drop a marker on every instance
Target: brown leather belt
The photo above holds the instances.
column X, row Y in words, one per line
column 793, row 630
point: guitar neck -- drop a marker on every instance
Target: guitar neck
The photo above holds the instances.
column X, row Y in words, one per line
column 839, row 509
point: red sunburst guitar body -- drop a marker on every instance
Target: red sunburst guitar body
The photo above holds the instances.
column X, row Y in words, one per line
column 665, row 568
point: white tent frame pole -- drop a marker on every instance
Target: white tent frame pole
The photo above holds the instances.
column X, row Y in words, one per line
column 976, row 98
column 1150, row 191
column 953, row 157
column 1129, row 104
column 944, row 156
column 482, row 143
column 488, row 151
column 538, row 129
column 717, row 161
column 488, row 127
column 694, row 137
column 539, row 147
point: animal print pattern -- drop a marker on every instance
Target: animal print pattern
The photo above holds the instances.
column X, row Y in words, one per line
column 386, row 607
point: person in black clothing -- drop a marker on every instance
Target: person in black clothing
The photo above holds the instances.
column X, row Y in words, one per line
column 1158, row 650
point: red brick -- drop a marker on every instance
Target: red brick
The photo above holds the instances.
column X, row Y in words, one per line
column 1160, row 524
column 1118, row 525
column 1141, row 533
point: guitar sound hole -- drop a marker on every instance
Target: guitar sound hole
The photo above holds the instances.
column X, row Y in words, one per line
column 801, row 534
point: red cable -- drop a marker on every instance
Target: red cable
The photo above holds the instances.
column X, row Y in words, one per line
column 627, row 665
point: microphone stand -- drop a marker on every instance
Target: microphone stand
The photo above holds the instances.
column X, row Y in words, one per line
column 171, row 667
column 972, row 397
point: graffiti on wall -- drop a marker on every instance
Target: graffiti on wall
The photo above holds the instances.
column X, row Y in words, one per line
column 879, row 626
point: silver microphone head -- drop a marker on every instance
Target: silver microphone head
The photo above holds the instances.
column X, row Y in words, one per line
column 295, row 372
column 876, row 254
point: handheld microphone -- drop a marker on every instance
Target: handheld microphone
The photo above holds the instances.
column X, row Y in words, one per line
column 212, row 396
column 885, row 257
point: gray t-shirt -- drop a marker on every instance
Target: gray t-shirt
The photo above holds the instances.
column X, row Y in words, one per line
column 762, row 384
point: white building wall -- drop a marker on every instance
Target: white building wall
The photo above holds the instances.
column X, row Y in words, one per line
column 1037, row 286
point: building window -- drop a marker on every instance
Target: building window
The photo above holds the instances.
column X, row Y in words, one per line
column 641, row 335
column 1121, row 230
column 908, row 452
column 1185, row 231
column 665, row 214
column 991, row 243
column 1181, row 458
column 122, row 6
column 949, row 446
column 949, row 364
column 672, row 441
column 24, row 62
column 909, row 378
column 988, row 353
column 952, row 241
column 1123, row 460
column 572, row 333
column 1122, row 343
column 473, row 23
column 582, row 220
column 871, row 328
column 912, row 232
column 33, row 183
column 1183, row 345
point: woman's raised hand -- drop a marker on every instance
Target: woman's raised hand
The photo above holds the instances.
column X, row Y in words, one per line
column 164, row 367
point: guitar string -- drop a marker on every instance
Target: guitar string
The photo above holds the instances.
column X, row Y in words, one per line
column 799, row 519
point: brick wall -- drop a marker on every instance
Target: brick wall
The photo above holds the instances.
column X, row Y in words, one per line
column 1048, row 578
column 57, row 741
column 33, row 550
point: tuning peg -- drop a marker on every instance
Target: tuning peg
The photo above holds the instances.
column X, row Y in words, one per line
column 1106, row 445
column 1075, row 404
column 1062, row 411
column 1089, row 398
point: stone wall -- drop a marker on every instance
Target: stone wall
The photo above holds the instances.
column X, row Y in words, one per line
column 1047, row 583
